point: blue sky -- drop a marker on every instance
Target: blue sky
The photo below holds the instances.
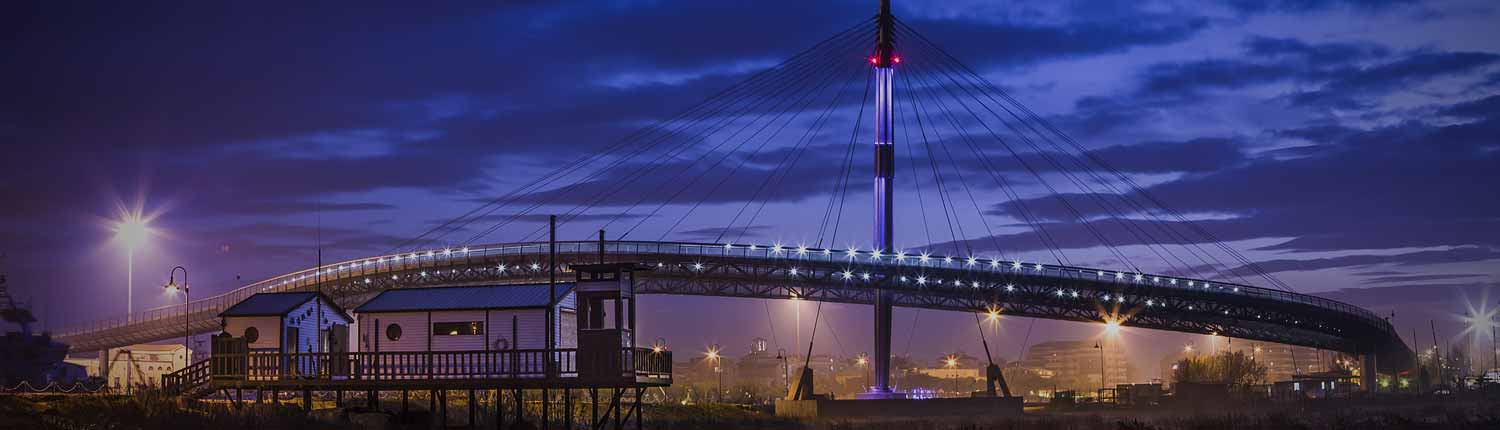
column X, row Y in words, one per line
column 1343, row 145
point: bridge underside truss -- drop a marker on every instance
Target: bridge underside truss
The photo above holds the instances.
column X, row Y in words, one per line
column 1225, row 310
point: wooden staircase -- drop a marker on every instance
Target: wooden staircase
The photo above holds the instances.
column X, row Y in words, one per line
column 191, row 381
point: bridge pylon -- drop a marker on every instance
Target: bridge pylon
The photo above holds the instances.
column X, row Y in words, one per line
column 885, row 171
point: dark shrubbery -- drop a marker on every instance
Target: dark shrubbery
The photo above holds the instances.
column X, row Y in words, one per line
column 156, row 412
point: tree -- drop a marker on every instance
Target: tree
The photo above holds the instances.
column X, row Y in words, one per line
column 1234, row 369
column 1193, row 370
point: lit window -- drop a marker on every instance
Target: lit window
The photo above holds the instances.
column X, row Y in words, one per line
column 461, row 328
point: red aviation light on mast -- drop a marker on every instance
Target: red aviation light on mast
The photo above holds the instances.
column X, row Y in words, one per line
column 874, row 60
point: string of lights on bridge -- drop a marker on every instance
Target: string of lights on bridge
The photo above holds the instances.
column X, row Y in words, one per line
column 848, row 274
column 853, row 254
column 850, row 254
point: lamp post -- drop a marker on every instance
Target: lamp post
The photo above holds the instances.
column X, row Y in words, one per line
column 187, row 308
column 1100, row 346
column 951, row 363
column 994, row 318
column 864, row 362
column 131, row 230
column 713, row 354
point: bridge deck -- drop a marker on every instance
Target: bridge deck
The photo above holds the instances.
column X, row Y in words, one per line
column 937, row 282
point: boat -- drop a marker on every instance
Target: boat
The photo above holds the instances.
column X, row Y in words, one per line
column 26, row 356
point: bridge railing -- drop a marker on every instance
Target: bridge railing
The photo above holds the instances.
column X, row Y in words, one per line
column 367, row 268
column 271, row 365
column 868, row 257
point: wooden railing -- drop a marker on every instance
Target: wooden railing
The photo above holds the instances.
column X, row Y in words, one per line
column 420, row 365
column 185, row 379
column 650, row 363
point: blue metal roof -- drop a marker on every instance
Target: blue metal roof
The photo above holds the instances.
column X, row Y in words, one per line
column 273, row 304
column 458, row 298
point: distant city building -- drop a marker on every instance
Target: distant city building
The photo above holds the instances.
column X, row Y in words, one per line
column 1075, row 365
column 758, row 346
column 762, row 368
column 953, row 373
column 955, row 366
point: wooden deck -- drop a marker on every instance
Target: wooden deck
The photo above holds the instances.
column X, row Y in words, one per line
column 424, row 370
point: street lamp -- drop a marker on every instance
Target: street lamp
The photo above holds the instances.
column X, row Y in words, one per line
column 951, row 362
column 863, row 361
column 1112, row 327
column 187, row 307
column 713, row 354
column 993, row 316
column 1100, row 346
column 131, row 230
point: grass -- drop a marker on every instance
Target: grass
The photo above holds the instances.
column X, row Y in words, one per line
column 156, row 412
column 144, row 412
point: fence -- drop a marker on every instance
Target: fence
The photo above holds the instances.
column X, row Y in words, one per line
column 266, row 366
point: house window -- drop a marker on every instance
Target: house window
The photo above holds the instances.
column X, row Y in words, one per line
column 252, row 334
column 393, row 332
column 461, row 328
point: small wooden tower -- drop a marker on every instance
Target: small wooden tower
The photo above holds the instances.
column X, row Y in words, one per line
column 606, row 320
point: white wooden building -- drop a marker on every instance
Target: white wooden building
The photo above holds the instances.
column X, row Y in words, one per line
column 137, row 366
column 289, row 323
column 470, row 318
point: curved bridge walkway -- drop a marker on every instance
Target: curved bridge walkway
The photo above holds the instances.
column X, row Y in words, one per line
column 843, row 276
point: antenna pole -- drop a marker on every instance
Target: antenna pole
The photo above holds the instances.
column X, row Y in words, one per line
column 318, row 297
column 551, row 287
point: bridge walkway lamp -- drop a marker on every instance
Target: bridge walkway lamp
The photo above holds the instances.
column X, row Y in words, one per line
column 131, row 230
column 187, row 310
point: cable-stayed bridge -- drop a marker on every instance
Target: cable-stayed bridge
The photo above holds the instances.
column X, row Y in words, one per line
column 1013, row 199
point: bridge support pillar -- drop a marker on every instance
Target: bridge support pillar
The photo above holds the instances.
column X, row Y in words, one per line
column 1367, row 377
column 885, row 174
column 882, row 358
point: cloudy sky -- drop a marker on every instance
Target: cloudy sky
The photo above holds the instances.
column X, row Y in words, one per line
column 1348, row 148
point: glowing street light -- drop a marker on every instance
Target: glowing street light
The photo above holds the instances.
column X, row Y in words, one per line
column 187, row 304
column 131, row 230
column 951, row 362
column 713, row 354
column 1112, row 327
